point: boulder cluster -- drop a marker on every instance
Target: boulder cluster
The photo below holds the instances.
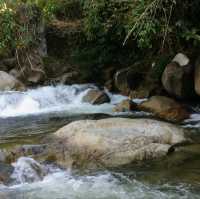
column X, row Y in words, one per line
column 180, row 79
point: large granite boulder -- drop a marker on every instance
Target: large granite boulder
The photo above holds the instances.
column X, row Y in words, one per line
column 165, row 108
column 137, row 81
column 106, row 143
column 114, row 142
column 177, row 77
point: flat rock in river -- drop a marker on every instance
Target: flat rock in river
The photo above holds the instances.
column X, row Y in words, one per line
column 116, row 141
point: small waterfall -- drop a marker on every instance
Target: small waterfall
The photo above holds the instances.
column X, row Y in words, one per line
column 51, row 99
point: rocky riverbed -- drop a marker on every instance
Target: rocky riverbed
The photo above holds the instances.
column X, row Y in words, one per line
column 58, row 146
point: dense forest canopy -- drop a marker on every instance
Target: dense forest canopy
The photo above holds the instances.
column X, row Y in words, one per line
column 113, row 31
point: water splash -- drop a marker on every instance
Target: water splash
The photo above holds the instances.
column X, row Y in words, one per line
column 52, row 99
column 28, row 170
column 106, row 185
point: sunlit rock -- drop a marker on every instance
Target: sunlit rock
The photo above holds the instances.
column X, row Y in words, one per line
column 116, row 141
column 8, row 82
column 96, row 97
column 165, row 108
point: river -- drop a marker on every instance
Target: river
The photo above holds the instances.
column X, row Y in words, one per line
column 25, row 117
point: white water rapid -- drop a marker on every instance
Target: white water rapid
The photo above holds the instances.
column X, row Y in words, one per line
column 35, row 180
column 59, row 184
column 52, row 99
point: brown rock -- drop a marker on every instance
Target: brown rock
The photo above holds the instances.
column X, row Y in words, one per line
column 125, row 105
column 177, row 77
column 96, row 97
column 128, row 79
column 165, row 108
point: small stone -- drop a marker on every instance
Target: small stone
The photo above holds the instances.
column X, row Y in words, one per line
column 96, row 97
column 125, row 106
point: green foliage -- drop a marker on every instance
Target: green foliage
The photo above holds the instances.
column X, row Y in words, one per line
column 104, row 28
column 93, row 58
column 61, row 9
column 140, row 25
column 104, row 18
column 150, row 21
column 8, row 26
column 48, row 7
column 192, row 35
column 13, row 34
column 159, row 66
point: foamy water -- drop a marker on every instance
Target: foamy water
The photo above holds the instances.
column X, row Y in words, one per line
column 193, row 121
column 52, row 99
column 34, row 180
column 60, row 184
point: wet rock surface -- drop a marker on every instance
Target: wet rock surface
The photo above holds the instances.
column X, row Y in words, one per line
column 96, row 97
column 165, row 108
column 104, row 143
column 115, row 142
column 125, row 105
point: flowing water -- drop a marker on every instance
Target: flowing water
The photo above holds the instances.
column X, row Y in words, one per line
column 25, row 117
